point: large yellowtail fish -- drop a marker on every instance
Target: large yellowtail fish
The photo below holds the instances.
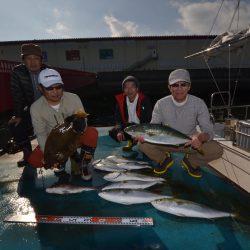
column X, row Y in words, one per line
column 185, row 208
column 131, row 185
column 128, row 176
column 157, row 133
column 128, row 197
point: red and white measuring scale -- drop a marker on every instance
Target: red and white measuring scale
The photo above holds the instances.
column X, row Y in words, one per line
column 84, row 220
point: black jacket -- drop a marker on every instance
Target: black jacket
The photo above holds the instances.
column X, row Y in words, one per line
column 22, row 89
column 144, row 111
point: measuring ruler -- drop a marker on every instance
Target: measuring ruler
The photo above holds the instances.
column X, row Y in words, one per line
column 83, row 220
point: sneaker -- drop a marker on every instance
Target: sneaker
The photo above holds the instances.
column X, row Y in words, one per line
column 29, row 173
column 22, row 163
column 129, row 146
column 164, row 165
column 194, row 172
column 63, row 177
column 86, row 175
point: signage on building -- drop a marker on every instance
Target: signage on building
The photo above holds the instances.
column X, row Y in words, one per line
column 72, row 55
column 106, row 54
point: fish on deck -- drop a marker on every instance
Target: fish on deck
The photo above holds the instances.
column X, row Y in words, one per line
column 119, row 167
column 129, row 197
column 68, row 189
column 119, row 159
column 108, row 168
column 131, row 185
column 64, row 139
column 158, row 134
column 185, row 208
column 128, row 176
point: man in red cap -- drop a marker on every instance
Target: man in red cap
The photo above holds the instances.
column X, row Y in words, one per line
column 24, row 88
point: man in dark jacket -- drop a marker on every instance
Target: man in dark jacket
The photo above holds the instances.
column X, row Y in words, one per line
column 133, row 107
column 24, row 88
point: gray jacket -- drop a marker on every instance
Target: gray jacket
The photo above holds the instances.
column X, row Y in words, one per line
column 184, row 118
column 44, row 117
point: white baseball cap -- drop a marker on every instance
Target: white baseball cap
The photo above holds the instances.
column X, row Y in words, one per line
column 179, row 75
column 48, row 77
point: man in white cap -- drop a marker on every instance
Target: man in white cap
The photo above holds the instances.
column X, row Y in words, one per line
column 183, row 112
column 50, row 110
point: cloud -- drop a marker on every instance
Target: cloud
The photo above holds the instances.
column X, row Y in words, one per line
column 118, row 28
column 58, row 30
column 56, row 12
column 198, row 18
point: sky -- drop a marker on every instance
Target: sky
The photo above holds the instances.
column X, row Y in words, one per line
column 55, row 19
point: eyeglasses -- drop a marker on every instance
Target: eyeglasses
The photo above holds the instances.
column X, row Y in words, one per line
column 55, row 87
column 176, row 85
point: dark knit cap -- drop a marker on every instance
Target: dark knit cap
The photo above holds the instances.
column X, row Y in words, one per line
column 130, row 78
column 30, row 49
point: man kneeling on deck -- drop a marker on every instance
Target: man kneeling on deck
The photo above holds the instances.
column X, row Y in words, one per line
column 53, row 108
column 183, row 112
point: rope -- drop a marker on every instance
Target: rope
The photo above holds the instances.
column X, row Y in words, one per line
column 236, row 9
column 215, row 82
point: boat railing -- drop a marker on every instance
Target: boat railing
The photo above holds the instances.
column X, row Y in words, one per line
column 220, row 112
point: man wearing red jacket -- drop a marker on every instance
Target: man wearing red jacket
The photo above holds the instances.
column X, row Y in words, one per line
column 132, row 107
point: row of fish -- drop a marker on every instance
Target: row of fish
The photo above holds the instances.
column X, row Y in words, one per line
column 111, row 164
column 127, row 188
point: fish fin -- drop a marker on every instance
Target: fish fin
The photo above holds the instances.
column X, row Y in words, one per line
column 200, row 151
column 81, row 114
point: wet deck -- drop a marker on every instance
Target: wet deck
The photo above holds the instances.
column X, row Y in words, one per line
column 168, row 232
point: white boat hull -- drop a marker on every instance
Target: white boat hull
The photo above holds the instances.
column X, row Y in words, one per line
column 234, row 165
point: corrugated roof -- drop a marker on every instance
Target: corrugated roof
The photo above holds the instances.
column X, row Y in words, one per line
column 180, row 37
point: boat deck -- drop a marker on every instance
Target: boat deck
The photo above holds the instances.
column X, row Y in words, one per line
column 168, row 232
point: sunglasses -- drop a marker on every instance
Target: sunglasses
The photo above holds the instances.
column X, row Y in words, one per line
column 182, row 85
column 55, row 87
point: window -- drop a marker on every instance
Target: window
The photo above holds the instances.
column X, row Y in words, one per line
column 72, row 55
column 106, row 54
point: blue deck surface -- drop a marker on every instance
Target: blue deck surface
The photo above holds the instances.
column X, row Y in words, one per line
column 168, row 232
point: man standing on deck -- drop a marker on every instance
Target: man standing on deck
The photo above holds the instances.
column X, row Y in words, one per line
column 132, row 107
column 51, row 109
column 24, row 88
column 184, row 112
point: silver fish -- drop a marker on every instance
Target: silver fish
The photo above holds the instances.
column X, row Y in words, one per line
column 108, row 168
column 120, row 167
column 128, row 197
column 68, row 189
column 131, row 185
column 128, row 176
column 187, row 208
column 118, row 159
column 157, row 133
column 132, row 166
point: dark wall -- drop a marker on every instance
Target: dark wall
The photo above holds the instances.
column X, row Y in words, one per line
column 99, row 99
